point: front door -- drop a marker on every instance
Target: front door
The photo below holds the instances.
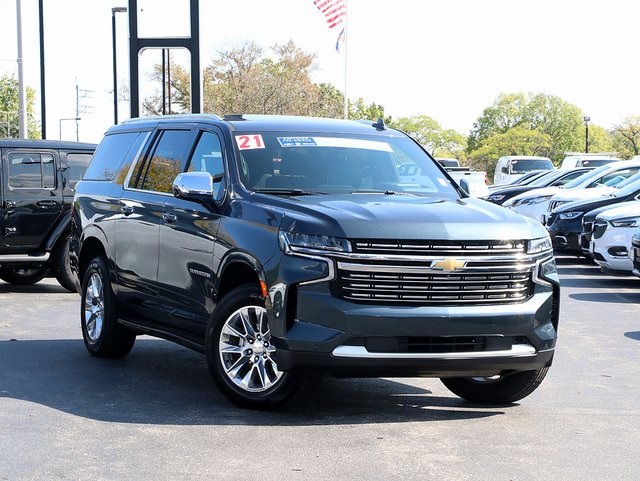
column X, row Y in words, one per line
column 32, row 200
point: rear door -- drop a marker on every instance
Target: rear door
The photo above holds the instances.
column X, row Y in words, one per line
column 138, row 228
column 32, row 200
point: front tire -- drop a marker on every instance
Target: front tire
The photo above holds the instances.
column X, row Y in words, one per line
column 496, row 390
column 24, row 276
column 241, row 358
column 103, row 336
column 63, row 272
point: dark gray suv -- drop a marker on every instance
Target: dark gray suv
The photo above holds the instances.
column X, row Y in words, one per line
column 289, row 248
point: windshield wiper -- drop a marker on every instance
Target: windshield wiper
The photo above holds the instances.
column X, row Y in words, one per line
column 292, row 192
column 385, row 192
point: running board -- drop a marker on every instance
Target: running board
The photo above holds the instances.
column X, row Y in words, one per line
column 23, row 258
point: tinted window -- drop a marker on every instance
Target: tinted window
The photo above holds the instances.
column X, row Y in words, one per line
column 207, row 157
column 167, row 161
column 76, row 167
column 526, row 165
column 31, row 170
column 110, row 154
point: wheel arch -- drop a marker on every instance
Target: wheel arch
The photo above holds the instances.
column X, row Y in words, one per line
column 237, row 269
column 91, row 248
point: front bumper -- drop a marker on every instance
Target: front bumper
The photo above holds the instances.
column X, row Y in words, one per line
column 565, row 235
column 333, row 336
column 611, row 251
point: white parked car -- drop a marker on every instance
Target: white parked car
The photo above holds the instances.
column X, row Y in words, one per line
column 573, row 160
column 512, row 167
column 599, row 181
column 612, row 233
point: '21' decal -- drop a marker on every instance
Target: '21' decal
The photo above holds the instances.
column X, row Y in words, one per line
column 249, row 142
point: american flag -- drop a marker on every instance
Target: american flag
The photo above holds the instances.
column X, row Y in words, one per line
column 333, row 10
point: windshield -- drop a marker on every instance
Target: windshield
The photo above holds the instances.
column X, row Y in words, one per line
column 629, row 186
column 586, row 178
column 596, row 162
column 527, row 165
column 309, row 162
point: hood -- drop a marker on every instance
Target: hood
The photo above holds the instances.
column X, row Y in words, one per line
column 579, row 194
column 536, row 193
column 621, row 211
column 377, row 216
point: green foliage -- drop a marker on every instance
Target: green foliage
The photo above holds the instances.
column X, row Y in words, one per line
column 626, row 137
column 437, row 141
column 515, row 141
column 9, row 105
column 546, row 114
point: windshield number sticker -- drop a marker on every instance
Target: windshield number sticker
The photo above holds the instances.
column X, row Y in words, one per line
column 246, row 142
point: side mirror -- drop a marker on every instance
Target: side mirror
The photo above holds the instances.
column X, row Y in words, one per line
column 196, row 186
column 505, row 170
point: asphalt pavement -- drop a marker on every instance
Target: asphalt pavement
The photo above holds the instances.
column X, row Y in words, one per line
column 156, row 414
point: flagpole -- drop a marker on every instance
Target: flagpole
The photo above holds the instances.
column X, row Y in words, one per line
column 346, row 50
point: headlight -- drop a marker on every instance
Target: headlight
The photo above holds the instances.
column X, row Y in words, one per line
column 625, row 222
column 535, row 246
column 569, row 215
column 294, row 241
column 535, row 200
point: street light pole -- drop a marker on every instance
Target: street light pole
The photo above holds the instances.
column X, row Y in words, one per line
column 586, row 119
column 115, row 10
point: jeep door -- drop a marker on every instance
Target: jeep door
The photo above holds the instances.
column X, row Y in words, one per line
column 138, row 230
column 32, row 200
column 187, row 237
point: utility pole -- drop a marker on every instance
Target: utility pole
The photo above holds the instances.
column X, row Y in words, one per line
column 81, row 94
column 22, row 91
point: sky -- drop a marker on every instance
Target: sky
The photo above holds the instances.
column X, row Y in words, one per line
column 448, row 59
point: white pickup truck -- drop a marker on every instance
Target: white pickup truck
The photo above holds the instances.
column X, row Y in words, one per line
column 472, row 181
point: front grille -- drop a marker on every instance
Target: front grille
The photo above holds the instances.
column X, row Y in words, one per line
column 555, row 203
column 435, row 273
column 439, row 248
column 587, row 225
column 599, row 229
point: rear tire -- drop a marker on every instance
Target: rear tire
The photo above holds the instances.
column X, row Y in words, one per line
column 63, row 272
column 498, row 390
column 23, row 275
column 103, row 336
column 241, row 358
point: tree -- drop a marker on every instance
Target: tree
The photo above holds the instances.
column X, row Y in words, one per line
column 515, row 141
column 544, row 113
column 436, row 140
column 9, row 106
column 242, row 79
column 626, row 137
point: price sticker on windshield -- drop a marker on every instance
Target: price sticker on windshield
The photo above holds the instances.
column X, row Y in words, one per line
column 246, row 142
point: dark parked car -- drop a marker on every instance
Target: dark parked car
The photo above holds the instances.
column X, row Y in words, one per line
column 552, row 178
column 635, row 253
column 36, row 190
column 288, row 248
column 565, row 222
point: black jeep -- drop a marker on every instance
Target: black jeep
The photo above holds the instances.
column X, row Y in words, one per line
column 36, row 190
column 288, row 248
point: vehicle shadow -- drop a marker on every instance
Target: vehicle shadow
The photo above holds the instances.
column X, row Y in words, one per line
column 39, row 288
column 162, row 383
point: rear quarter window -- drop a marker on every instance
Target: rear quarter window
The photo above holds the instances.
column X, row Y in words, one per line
column 113, row 155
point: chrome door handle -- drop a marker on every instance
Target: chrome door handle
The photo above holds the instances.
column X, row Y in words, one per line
column 126, row 209
column 10, row 204
column 170, row 217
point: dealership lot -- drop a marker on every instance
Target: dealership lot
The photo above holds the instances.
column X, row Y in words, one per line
column 67, row 415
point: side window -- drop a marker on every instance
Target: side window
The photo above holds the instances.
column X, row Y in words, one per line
column 111, row 153
column 31, row 170
column 207, row 157
column 76, row 167
column 167, row 161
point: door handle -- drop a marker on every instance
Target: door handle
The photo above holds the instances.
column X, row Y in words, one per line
column 170, row 217
column 10, row 204
column 46, row 204
column 126, row 209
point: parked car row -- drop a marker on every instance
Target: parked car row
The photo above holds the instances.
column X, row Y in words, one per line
column 589, row 212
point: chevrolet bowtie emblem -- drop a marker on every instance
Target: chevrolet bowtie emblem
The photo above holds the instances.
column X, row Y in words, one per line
column 448, row 264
